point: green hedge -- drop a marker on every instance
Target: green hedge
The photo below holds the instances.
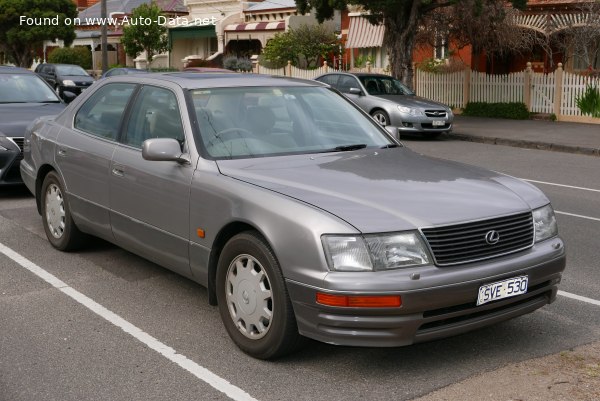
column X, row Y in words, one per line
column 78, row 55
column 515, row 111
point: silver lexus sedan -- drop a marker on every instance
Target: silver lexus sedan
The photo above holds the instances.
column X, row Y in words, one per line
column 301, row 215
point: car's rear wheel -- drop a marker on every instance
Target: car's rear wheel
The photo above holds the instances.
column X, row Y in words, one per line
column 253, row 299
column 381, row 117
column 60, row 229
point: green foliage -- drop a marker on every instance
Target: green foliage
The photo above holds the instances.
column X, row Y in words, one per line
column 79, row 55
column 234, row 63
column 514, row 111
column 361, row 61
column 302, row 46
column 24, row 25
column 589, row 102
column 138, row 37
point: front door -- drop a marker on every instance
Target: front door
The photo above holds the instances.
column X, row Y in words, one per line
column 149, row 200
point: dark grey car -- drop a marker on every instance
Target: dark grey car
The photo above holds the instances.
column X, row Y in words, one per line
column 65, row 78
column 23, row 97
column 297, row 211
column 391, row 103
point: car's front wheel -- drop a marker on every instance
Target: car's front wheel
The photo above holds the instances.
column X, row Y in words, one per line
column 253, row 299
column 60, row 229
column 381, row 117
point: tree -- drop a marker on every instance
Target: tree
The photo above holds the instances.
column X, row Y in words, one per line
column 401, row 19
column 79, row 55
column 25, row 25
column 303, row 46
column 144, row 33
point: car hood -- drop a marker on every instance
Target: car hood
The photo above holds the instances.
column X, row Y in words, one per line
column 412, row 101
column 77, row 78
column 17, row 116
column 389, row 189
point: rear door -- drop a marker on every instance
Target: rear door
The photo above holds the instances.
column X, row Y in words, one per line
column 84, row 152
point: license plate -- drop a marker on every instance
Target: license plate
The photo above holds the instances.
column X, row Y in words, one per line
column 502, row 289
column 438, row 123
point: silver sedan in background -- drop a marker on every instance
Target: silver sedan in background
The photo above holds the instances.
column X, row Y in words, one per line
column 301, row 215
column 391, row 103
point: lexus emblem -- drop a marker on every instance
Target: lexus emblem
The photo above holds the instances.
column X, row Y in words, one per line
column 492, row 237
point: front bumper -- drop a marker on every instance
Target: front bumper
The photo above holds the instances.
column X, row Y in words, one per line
column 431, row 309
column 421, row 124
column 10, row 161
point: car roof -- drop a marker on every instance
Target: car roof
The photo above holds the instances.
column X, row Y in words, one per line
column 196, row 80
column 12, row 70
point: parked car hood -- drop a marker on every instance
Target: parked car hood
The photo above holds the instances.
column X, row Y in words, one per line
column 17, row 116
column 389, row 189
column 412, row 101
column 77, row 78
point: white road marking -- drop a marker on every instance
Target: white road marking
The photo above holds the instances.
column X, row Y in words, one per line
column 579, row 298
column 200, row 372
column 577, row 215
column 561, row 185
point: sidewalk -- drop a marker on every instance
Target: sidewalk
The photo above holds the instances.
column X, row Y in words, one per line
column 534, row 134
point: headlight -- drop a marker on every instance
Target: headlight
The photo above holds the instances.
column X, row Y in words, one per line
column 544, row 223
column 410, row 110
column 375, row 252
column 68, row 82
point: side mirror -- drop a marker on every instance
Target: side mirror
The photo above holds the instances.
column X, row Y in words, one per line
column 393, row 131
column 163, row 150
column 355, row 91
column 68, row 96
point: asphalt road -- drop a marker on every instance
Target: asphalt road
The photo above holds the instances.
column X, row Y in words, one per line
column 54, row 348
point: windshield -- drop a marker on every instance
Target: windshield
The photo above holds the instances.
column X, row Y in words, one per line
column 263, row 121
column 70, row 70
column 377, row 85
column 25, row 88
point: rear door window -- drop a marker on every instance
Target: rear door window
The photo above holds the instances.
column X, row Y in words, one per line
column 101, row 115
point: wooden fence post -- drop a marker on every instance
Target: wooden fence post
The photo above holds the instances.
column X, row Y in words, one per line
column 325, row 65
column 289, row 68
column 527, row 87
column 368, row 66
column 466, row 87
column 558, row 89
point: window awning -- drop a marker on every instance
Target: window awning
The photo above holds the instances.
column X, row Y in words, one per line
column 192, row 32
column 256, row 26
column 362, row 33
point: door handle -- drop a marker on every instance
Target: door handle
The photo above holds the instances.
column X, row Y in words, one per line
column 118, row 171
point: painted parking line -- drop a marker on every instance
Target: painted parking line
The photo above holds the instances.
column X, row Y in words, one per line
column 561, row 185
column 577, row 215
column 200, row 372
column 579, row 298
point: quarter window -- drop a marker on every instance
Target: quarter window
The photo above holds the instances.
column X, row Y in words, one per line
column 155, row 114
column 102, row 113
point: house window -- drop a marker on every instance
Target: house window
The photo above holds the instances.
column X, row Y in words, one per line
column 440, row 50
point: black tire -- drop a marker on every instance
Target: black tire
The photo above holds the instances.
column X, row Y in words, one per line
column 248, row 258
column 60, row 229
column 381, row 117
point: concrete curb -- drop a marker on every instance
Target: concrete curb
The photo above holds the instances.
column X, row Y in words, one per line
column 521, row 143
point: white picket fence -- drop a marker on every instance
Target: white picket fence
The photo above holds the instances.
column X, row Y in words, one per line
column 555, row 92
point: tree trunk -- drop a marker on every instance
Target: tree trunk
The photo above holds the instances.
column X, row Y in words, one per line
column 399, row 39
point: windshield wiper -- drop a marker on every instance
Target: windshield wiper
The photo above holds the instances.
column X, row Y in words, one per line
column 346, row 148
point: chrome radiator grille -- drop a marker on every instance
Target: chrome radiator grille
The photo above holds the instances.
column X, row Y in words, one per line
column 484, row 239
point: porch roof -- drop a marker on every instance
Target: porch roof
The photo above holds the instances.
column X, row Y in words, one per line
column 256, row 26
column 361, row 33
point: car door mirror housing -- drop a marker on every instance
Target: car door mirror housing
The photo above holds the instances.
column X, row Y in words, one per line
column 163, row 150
column 355, row 91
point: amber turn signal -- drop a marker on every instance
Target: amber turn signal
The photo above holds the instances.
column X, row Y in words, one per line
column 359, row 301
